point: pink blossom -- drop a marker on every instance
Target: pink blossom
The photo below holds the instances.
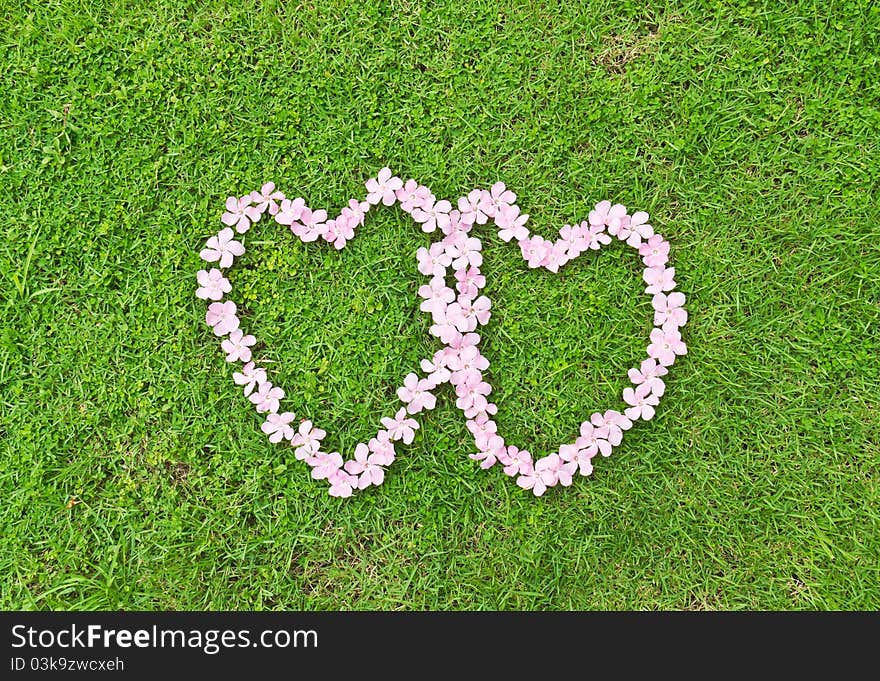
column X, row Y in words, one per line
column 490, row 449
column 241, row 213
column 307, row 441
column 471, row 207
column 267, row 199
column 401, row 427
column 250, row 377
column 266, row 397
column 470, row 281
column 659, row 279
column 355, row 212
column 311, row 224
column 457, row 224
column 606, row 215
column 557, row 256
column 444, row 327
column 472, row 395
column 649, row 373
column 554, row 470
column 212, row 285
column 614, row 423
column 517, row 461
column 367, row 466
column 412, row 195
column 535, row 250
column 634, row 229
column 572, row 238
column 595, row 236
column 668, row 310
column 290, row 211
column 465, row 314
column 435, row 368
column 465, row 252
column 581, row 458
column 416, row 394
column 437, row 296
column 655, row 251
column 593, row 440
column 277, row 426
column 465, row 362
column 339, row 231
column 341, row 483
column 238, row 346
column 642, row 401
column 497, row 199
column 222, row 317
column 665, row 345
column 433, row 261
column 511, row 225
column 382, row 448
column 326, row 465
column 432, row 214
column 383, row 188
column 222, row 248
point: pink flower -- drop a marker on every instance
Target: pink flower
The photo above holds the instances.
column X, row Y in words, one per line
column 572, row 240
column 511, row 225
column 412, row 195
column 383, row 188
column 237, row 346
column 437, row 296
column 436, row 368
column 277, row 426
column 339, row 231
column 457, row 224
column 307, row 441
column 595, row 236
column 649, row 374
column 642, row 401
column 222, row 247
column 444, row 327
column 212, row 285
column 655, row 251
column 530, row 478
column 557, row 256
column 341, row 483
column 466, row 362
column 490, row 449
column 535, row 250
column 465, row 252
column 401, row 427
column 222, row 317
column 593, row 440
column 659, row 279
column 266, row 397
column 290, row 211
column 250, row 377
column 311, row 224
column 432, row 214
column 518, row 461
column 367, row 466
column 606, row 215
column 668, row 310
column 433, row 261
column 470, row 281
column 382, row 448
column 355, row 212
column 482, row 428
column 665, row 345
column 465, row 314
column 634, row 229
column 241, row 213
column 554, row 470
column 267, row 199
column 326, row 465
column 581, row 458
column 497, row 199
column 614, row 422
column 472, row 395
column 416, row 394
column 471, row 207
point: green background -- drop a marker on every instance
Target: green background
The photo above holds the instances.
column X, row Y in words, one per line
column 133, row 473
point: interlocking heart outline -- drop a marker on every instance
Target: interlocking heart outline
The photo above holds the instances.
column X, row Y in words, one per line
column 456, row 315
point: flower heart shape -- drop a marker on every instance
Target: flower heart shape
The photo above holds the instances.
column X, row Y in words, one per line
column 457, row 309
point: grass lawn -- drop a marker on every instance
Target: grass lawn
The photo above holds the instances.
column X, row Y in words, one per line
column 133, row 473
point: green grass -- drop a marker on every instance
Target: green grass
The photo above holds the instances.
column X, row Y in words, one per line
column 748, row 130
